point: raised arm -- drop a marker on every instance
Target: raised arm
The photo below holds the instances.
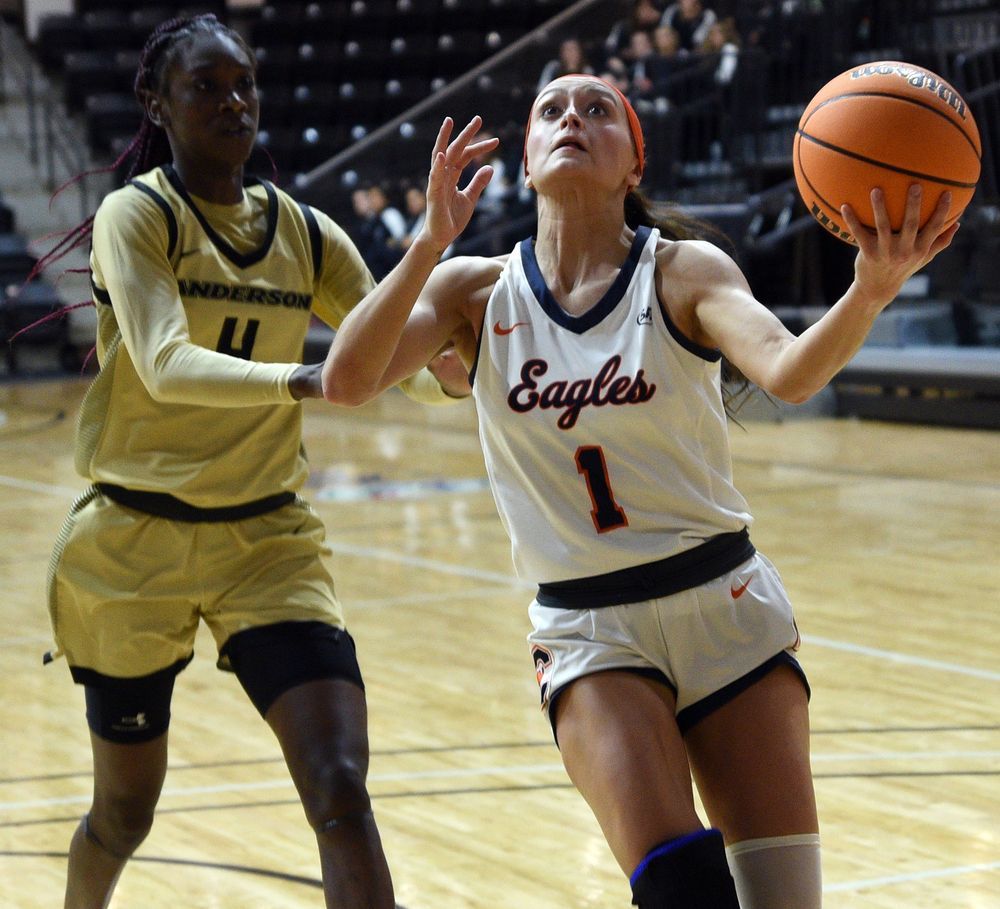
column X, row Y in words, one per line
column 792, row 368
column 356, row 367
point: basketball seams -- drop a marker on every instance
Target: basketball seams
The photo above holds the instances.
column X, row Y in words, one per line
column 906, row 99
column 883, row 164
column 854, row 135
column 830, row 208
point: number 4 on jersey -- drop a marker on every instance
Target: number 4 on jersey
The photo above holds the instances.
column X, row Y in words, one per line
column 227, row 338
column 606, row 512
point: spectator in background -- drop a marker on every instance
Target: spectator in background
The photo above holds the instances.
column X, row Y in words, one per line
column 572, row 59
column 415, row 202
column 668, row 59
column 492, row 208
column 691, row 20
column 366, row 225
column 640, row 50
column 723, row 40
column 644, row 17
column 387, row 231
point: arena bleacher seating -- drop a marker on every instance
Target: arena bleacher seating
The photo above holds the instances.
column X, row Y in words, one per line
column 336, row 75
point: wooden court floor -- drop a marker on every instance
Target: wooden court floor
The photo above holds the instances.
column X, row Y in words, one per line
column 887, row 537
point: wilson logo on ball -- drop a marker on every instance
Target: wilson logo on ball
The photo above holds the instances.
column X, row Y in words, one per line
column 885, row 124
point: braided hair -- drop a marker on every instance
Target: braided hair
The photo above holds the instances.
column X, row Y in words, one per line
column 149, row 147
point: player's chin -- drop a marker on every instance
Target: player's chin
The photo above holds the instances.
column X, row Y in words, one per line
column 236, row 141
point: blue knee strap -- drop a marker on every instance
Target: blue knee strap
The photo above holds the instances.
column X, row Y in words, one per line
column 690, row 872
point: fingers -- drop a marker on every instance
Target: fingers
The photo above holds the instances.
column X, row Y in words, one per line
column 940, row 215
column 942, row 241
column 441, row 142
column 478, row 183
column 911, row 216
column 883, row 225
column 852, row 222
column 910, row 233
column 438, row 155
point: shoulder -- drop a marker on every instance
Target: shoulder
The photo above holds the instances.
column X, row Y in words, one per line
column 467, row 275
column 137, row 208
column 693, row 261
column 137, row 198
column 690, row 273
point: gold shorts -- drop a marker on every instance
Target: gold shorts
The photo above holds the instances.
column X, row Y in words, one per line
column 126, row 589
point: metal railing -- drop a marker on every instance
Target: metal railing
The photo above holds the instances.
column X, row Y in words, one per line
column 54, row 147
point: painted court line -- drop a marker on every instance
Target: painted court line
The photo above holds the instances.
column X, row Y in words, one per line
column 510, row 580
column 930, row 873
column 895, row 657
column 455, row 773
column 47, row 488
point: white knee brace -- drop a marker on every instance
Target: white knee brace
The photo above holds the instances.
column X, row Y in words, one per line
column 778, row 872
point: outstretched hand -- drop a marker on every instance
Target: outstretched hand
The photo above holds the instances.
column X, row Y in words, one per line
column 887, row 258
column 449, row 208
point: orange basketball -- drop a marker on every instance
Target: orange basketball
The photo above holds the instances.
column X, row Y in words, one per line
column 887, row 125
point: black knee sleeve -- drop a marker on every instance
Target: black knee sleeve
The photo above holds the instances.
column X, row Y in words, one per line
column 690, row 872
column 271, row 659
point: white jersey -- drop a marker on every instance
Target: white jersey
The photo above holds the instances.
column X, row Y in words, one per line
column 604, row 435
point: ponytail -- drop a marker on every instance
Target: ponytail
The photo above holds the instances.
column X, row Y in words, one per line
column 676, row 224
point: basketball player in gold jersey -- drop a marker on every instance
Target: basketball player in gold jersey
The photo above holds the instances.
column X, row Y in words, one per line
column 204, row 283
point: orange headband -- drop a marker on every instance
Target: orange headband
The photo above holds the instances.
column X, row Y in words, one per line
column 635, row 127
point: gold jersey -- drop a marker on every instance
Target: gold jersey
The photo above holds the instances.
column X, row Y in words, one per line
column 202, row 315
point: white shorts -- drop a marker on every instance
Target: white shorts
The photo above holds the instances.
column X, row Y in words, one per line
column 707, row 643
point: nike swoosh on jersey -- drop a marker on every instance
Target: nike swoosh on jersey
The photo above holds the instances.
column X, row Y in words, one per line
column 500, row 330
column 737, row 592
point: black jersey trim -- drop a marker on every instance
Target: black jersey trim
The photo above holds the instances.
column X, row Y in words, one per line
column 240, row 260
column 612, row 297
column 99, row 293
column 479, row 347
column 168, row 213
column 705, row 562
column 691, row 714
column 315, row 239
column 709, row 354
column 164, row 505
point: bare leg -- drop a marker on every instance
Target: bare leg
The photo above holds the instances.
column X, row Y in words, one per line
column 751, row 761
column 127, row 783
column 623, row 751
column 322, row 727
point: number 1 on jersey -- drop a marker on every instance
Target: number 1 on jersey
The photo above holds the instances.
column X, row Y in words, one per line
column 607, row 513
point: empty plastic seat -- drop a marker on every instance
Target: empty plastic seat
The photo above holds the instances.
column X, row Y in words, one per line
column 411, row 55
column 401, row 94
column 58, row 35
column 460, row 15
column 88, row 73
column 370, row 19
column 109, row 30
column 109, row 117
column 15, row 259
column 366, row 59
column 275, row 65
column 274, row 28
column 315, row 103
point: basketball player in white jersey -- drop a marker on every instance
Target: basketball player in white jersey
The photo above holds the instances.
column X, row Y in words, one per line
column 663, row 643
column 190, row 436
